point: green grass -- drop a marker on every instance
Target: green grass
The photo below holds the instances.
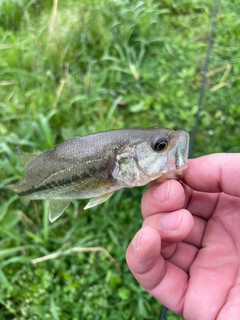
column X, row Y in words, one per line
column 87, row 67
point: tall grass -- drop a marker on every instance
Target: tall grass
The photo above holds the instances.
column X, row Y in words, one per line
column 86, row 66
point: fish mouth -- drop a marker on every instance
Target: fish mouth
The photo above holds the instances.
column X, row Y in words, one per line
column 177, row 159
column 181, row 155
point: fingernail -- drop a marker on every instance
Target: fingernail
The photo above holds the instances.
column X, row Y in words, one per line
column 161, row 193
column 171, row 221
column 136, row 241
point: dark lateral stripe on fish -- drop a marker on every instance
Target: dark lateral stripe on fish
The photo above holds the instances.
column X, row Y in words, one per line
column 51, row 185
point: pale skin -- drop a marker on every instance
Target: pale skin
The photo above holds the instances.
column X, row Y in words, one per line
column 187, row 253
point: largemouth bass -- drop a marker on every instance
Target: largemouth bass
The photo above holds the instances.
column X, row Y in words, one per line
column 97, row 165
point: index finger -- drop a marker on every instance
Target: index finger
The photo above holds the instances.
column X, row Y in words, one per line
column 214, row 173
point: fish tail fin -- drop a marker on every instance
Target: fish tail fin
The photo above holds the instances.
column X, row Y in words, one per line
column 13, row 187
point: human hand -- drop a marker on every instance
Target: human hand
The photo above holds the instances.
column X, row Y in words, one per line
column 187, row 253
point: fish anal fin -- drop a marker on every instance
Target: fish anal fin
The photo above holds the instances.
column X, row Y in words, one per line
column 25, row 158
column 56, row 208
column 98, row 200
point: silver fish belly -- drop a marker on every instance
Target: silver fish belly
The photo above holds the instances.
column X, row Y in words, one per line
column 97, row 165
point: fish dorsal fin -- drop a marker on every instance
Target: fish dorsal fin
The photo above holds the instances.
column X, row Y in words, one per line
column 56, row 208
column 25, row 158
column 95, row 201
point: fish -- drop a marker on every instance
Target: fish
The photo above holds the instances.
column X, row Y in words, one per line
column 94, row 166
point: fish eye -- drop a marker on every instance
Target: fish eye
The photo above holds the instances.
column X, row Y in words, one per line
column 159, row 144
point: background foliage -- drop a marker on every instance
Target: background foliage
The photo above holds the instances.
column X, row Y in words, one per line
column 87, row 66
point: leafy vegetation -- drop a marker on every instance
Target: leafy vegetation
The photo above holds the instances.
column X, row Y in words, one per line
column 74, row 67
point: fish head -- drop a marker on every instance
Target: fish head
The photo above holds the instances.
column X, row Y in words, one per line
column 163, row 154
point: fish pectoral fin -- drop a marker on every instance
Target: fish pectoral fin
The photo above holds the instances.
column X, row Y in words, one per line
column 96, row 201
column 56, row 208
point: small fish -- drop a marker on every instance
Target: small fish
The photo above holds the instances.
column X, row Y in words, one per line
column 96, row 165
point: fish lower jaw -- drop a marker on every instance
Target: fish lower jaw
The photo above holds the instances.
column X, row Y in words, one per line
column 173, row 174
